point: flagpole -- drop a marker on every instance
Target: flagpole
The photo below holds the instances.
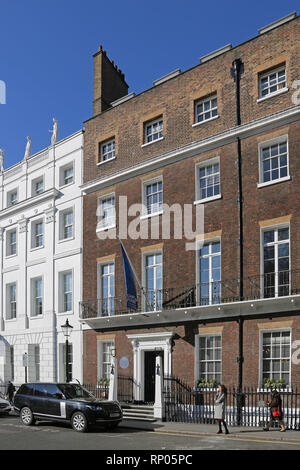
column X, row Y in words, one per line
column 135, row 274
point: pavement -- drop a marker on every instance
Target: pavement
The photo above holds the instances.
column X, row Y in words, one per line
column 210, row 430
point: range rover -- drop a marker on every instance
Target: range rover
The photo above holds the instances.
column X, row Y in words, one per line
column 65, row 402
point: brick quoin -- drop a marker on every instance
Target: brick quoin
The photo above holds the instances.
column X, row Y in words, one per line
column 174, row 101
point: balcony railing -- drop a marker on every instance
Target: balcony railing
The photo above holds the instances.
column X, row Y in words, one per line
column 271, row 285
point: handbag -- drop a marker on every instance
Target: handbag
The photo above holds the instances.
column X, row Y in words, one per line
column 276, row 412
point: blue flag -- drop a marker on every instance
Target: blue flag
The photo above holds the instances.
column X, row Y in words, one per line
column 131, row 295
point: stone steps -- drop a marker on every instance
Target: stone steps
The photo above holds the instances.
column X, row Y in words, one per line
column 138, row 412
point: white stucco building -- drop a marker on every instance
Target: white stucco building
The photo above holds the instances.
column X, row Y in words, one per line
column 40, row 263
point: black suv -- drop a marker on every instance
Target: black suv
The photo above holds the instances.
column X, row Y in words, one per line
column 65, row 402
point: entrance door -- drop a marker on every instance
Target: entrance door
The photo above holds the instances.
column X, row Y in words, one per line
column 149, row 386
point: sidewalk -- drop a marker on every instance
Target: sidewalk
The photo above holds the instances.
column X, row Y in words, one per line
column 210, row 430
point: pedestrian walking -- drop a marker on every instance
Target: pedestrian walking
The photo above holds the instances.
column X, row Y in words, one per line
column 275, row 411
column 220, row 407
column 10, row 391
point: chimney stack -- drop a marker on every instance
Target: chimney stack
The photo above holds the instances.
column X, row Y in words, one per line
column 109, row 82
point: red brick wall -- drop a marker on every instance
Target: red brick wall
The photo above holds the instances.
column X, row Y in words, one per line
column 183, row 349
column 174, row 99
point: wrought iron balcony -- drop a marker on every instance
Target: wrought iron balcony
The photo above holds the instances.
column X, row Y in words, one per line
column 271, row 285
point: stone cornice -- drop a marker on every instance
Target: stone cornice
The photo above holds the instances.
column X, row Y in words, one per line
column 30, row 202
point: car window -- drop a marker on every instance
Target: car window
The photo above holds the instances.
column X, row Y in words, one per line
column 39, row 390
column 26, row 389
column 74, row 391
column 52, row 391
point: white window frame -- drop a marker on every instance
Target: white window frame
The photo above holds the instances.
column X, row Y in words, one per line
column 198, row 166
column 62, row 226
column 9, row 244
column 145, row 184
column 103, row 154
column 9, row 301
column 10, row 201
column 62, row 170
column 262, row 231
column 197, row 354
column 100, row 225
column 211, row 109
column 34, row 367
column 273, row 330
column 112, row 279
column 12, row 362
column 62, row 292
column 200, row 244
column 278, row 90
column 35, row 236
column 150, row 124
column 100, row 362
column 33, row 282
column 268, row 143
column 146, row 307
column 62, row 361
column 34, row 183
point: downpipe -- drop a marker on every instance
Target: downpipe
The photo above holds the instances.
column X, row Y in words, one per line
column 237, row 70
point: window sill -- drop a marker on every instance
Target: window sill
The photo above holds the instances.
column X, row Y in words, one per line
column 208, row 199
column 69, row 312
column 278, row 92
column 103, row 229
column 153, row 142
column 206, row 120
column 63, row 240
column 36, row 317
column 10, row 320
column 37, row 248
column 148, row 216
column 66, row 185
column 11, row 256
column 269, row 183
column 106, row 161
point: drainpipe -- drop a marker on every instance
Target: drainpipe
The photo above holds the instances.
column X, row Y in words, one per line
column 236, row 72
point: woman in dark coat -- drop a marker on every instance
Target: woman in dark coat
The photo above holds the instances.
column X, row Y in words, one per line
column 10, row 391
column 275, row 407
column 220, row 406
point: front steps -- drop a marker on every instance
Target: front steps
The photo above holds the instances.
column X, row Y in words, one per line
column 138, row 412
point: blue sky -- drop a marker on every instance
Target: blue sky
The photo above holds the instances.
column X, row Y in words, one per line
column 46, row 50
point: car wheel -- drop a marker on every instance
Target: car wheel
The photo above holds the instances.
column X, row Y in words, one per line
column 111, row 426
column 27, row 416
column 79, row 422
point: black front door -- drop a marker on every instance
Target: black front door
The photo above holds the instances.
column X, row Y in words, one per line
column 149, row 388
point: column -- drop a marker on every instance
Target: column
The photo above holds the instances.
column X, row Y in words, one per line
column 113, row 381
column 159, row 397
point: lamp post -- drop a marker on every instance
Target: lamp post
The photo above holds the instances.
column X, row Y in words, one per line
column 67, row 330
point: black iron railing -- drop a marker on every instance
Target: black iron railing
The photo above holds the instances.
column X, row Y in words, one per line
column 125, row 389
column 270, row 285
column 191, row 405
column 99, row 390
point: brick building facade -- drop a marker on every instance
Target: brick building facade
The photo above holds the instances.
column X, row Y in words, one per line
column 181, row 142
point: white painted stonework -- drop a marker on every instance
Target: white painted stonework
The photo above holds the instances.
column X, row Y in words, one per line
column 148, row 342
column 48, row 262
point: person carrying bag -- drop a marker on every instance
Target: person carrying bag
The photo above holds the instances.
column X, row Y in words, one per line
column 275, row 411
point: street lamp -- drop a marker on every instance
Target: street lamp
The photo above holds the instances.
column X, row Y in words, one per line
column 67, row 330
